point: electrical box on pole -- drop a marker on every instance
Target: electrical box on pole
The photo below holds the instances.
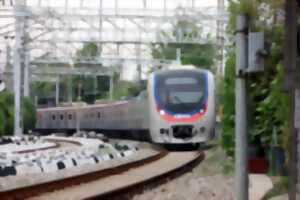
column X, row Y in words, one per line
column 256, row 52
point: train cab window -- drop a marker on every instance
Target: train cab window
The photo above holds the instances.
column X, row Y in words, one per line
column 53, row 117
column 70, row 116
column 61, row 117
column 181, row 91
column 99, row 115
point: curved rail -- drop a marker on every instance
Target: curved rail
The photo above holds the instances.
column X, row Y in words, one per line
column 130, row 179
column 38, row 189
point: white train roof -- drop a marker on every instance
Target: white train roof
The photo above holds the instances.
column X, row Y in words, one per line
column 181, row 67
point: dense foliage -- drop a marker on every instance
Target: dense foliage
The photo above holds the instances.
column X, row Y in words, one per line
column 267, row 103
column 7, row 113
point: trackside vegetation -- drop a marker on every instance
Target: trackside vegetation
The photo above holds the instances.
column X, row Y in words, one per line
column 7, row 113
column 267, row 101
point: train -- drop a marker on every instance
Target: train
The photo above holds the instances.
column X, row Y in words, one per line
column 178, row 107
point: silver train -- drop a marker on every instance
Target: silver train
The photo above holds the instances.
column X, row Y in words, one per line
column 178, row 107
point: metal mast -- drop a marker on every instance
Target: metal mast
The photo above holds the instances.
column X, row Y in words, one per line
column 18, row 54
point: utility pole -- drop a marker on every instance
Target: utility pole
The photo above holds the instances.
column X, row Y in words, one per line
column 241, row 143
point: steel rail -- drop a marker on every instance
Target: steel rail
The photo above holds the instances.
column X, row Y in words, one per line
column 133, row 181
column 38, row 189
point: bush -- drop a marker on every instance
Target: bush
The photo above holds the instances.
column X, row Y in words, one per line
column 7, row 113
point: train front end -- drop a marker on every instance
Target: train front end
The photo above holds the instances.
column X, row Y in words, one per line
column 182, row 106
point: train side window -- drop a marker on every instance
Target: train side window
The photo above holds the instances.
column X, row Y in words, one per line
column 70, row 116
column 53, row 117
column 61, row 117
column 99, row 115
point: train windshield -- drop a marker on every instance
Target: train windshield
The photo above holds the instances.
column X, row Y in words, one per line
column 180, row 91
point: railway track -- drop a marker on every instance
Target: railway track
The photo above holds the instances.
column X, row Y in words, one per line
column 107, row 183
column 168, row 164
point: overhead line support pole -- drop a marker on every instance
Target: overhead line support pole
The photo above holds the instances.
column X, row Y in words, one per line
column 241, row 143
column 18, row 124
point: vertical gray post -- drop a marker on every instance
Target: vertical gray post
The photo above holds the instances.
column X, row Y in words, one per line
column 139, row 65
column 79, row 98
column 100, row 28
column 70, row 88
column 111, row 86
column 57, row 91
column 26, row 75
column 178, row 55
column 241, row 143
column 70, row 81
column 8, row 51
column 36, row 101
column 95, row 87
column 116, row 7
column 165, row 7
column 220, row 36
column 18, row 130
column 78, row 119
column 26, row 55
